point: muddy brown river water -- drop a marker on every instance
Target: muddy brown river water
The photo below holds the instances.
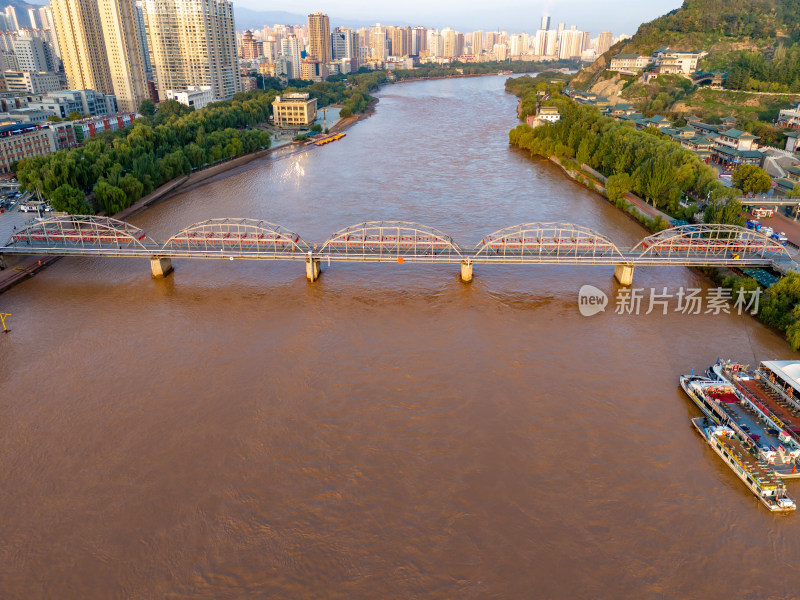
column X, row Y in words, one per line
column 234, row 431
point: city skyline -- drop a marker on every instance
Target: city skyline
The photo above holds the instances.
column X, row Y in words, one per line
column 616, row 15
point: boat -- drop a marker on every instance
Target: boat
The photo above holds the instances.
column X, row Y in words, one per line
column 759, row 478
column 762, row 434
column 765, row 386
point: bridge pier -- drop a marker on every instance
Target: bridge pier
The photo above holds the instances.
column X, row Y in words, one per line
column 624, row 274
column 161, row 266
column 466, row 271
column 313, row 268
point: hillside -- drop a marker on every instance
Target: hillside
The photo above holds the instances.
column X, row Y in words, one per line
column 756, row 41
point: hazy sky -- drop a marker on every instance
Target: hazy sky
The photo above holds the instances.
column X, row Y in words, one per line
column 619, row 16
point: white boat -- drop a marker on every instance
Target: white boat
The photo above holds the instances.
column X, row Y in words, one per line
column 759, row 479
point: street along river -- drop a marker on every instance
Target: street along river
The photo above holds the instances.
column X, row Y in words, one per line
column 233, row 431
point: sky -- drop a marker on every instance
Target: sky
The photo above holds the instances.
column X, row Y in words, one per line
column 618, row 16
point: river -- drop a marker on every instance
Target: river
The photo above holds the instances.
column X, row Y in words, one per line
column 233, row 431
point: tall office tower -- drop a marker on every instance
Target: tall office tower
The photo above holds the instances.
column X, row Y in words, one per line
column 193, row 42
column 290, row 48
column 477, row 42
column 604, row 42
column 141, row 35
column 124, row 56
column 319, row 38
column 339, row 43
column 545, row 22
column 83, row 49
column 419, row 37
column 377, row 42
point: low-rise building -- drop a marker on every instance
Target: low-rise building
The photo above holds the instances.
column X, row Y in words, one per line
column 25, row 115
column 734, row 147
column 195, row 96
column 791, row 142
column 294, row 110
column 545, row 114
column 85, row 102
column 790, row 118
column 629, row 64
column 669, row 61
column 23, row 140
column 33, row 82
column 792, row 179
column 90, row 127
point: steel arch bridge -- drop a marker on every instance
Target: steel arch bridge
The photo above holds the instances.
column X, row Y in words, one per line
column 246, row 238
column 400, row 241
column 390, row 241
column 546, row 243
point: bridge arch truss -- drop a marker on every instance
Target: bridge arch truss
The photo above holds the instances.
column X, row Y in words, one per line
column 546, row 242
column 244, row 237
column 82, row 232
column 708, row 244
column 386, row 241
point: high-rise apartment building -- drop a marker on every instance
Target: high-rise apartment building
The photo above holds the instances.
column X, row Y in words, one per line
column 124, row 56
column 83, row 49
column 290, row 48
column 319, row 38
column 33, row 54
column 570, row 43
column 251, row 48
column 419, row 36
column 545, row 22
column 477, row 42
column 604, row 42
column 141, row 34
column 48, row 24
column 377, row 42
column 193, row 42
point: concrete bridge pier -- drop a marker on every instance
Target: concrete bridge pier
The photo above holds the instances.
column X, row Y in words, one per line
column 466, row 271
column 624, row 274
column 313, row 268
column 161, row 266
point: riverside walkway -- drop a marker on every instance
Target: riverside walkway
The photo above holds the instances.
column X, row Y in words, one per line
column 399, row 241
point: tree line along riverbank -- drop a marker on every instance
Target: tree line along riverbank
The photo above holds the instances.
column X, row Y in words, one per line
column 659, row 170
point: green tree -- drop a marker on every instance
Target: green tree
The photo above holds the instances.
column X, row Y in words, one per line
column 618, row 185
column 69, row 199
column 147, row 108
column 110, row 198
column 750, row 178
column 54, row 119
column 795, row 191
column 74, row 116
